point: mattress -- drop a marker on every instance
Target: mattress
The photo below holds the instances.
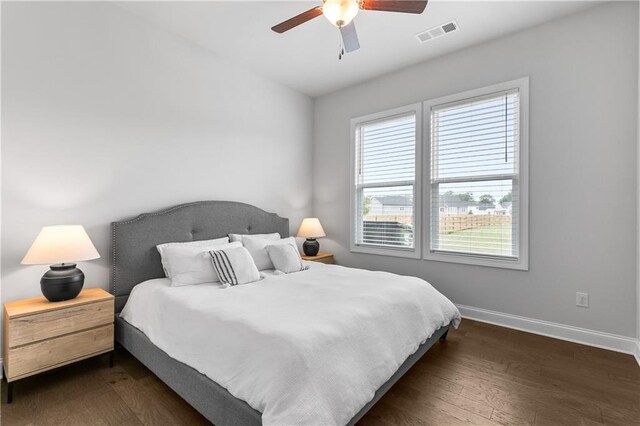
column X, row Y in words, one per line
column 310, row 347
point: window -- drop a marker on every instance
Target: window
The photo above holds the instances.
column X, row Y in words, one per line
column 475, row 172
column 477, row 212
column 385, row 196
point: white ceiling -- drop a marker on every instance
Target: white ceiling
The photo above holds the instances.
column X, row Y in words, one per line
column 306, row 58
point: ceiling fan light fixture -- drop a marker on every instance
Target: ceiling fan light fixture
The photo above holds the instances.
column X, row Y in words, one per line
column 340, row 12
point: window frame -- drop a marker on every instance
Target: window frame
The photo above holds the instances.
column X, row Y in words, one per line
column 522, row 179
column 417, row 188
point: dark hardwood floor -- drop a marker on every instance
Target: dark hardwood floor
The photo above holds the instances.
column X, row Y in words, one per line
column 482, row 375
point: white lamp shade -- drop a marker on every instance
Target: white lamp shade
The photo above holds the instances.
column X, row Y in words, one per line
column 60, row 244
column 311, row 228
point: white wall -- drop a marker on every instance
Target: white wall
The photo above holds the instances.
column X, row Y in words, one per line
column 105, row 116
column 583, row 161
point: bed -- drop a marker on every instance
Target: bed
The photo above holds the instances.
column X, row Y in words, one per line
column 135, row 260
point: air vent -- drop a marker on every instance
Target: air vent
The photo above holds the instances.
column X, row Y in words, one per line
column 438, row 31
column 451, row 26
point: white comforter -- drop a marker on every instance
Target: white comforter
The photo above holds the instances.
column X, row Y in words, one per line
column 310, row 347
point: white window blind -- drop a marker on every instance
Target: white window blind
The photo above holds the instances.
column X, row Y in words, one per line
column 475, row 176
column 385, row 173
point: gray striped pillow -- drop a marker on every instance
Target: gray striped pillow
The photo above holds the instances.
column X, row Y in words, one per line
column 234, row 266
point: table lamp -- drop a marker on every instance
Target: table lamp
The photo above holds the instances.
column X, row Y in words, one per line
column 311, row 229
column 60, row 246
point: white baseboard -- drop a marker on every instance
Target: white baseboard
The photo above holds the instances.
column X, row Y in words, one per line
column 612, row 342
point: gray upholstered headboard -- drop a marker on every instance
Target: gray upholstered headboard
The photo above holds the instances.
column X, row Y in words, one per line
column 134, row 255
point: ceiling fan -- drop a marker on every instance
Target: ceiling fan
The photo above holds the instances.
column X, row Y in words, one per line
column 341, row 13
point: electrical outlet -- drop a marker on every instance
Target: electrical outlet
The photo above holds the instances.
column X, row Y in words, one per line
column 582, row 299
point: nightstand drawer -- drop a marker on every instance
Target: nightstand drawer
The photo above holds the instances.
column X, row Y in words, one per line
column 47, row 354
column 35, row 327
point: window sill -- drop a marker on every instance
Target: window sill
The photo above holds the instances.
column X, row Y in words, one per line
column 519, row 264
column 384, row 251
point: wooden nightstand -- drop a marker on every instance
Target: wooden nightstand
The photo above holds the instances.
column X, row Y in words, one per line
column 40, row 335
column 320, row 257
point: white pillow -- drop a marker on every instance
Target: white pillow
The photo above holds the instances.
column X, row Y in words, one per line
column 234, row 265
column 191, row 264
column 285, row 258
column 206, row 243
column 258, row 249
column 240, row 237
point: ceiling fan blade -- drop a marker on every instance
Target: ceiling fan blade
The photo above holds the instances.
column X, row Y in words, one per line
column 298, row 20
column 350, row 37
column 403, row 6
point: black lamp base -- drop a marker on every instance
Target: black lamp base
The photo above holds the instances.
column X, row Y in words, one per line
column 311, row 247
column 62, row 282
